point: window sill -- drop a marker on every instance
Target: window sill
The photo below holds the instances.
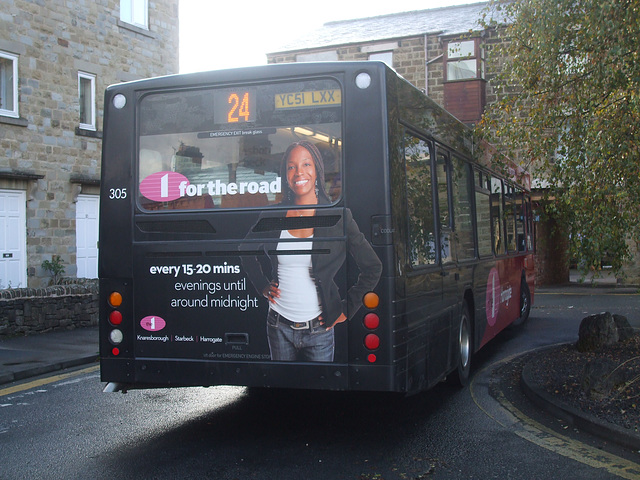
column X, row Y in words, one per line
column 84, row 180
column 88, row 133
column 12, row 174
column 133, row 28
column 462, row 80
column 18, row 122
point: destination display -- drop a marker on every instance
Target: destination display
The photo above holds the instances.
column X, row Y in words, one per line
column 234, row 106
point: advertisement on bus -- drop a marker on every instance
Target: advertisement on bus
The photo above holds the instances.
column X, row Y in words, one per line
column 284, row 290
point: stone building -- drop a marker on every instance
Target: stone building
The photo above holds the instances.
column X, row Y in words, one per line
column 448, row 54
column 442, row 51
column 56, row 59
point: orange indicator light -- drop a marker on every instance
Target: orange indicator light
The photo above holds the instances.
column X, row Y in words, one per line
column 115, row 299
column 371, row 300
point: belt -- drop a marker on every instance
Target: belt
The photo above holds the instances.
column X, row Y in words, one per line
column 313, row 323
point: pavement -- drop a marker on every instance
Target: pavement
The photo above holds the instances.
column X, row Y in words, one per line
column 39, row 354
column 25, row 357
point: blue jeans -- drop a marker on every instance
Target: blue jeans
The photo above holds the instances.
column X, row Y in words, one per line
column 314, row 344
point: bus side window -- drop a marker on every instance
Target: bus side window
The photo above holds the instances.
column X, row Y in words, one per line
column 483, row 215
column 497, row 216
column 422, row 240
column 444, row 207
column 510, row 218
column 521, row 215
column 462, row 209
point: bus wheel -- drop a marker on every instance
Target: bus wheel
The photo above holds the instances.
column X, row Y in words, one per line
column 460, row 376
column 525, row 304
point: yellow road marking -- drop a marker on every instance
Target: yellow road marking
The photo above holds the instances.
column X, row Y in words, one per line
column 44, row 381
column 542, row 436
column 536, row 433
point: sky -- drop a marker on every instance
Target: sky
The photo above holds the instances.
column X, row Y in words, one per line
column 216, row 35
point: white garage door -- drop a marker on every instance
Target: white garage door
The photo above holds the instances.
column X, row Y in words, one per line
column 13, row 244
column 87, row 210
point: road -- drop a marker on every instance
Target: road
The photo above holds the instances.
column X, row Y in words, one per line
column 63, row 426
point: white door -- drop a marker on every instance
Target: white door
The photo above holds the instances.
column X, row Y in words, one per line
column 87, row 209
column 13, row 235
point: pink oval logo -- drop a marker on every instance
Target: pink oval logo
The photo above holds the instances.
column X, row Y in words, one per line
column 163, row 186
column 494, row 292
column 153, row 323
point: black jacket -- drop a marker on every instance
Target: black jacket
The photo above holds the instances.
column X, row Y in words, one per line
column 326, row 257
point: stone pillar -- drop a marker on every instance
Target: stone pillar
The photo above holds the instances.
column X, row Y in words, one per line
column 552, row 252
column 631, row 268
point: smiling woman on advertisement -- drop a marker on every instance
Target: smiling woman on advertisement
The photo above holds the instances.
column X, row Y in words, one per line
column 304, row 301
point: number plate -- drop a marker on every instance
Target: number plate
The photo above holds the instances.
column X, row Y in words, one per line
column 316, row 98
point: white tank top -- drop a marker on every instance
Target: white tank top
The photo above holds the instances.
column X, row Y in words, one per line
column 298, row 300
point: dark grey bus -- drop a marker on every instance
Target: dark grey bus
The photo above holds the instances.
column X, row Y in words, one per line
column 311, row 225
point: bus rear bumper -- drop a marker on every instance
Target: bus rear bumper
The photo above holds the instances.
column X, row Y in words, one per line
column 152, row 373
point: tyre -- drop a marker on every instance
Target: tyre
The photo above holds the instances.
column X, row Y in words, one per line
column 460, row 376
column 525, row 304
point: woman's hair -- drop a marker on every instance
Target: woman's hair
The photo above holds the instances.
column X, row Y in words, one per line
column 323, row 198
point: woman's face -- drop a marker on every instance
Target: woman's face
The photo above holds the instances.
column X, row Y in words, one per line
column 301, row 175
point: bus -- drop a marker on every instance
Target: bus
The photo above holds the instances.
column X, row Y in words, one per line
column 310, row 225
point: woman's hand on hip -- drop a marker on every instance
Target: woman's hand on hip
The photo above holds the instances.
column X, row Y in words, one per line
column 340, row 319
column 271, row 292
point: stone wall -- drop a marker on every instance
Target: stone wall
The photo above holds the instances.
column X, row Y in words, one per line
column 26, row 311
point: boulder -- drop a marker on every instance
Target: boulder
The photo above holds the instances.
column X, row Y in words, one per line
column 597, row 331
column 625, row 330
column 600, row 377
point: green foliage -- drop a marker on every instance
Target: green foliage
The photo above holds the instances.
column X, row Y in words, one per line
column 570, row 113
column 55, row 268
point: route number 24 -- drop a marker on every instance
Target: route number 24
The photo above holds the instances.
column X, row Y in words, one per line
column 239, row 108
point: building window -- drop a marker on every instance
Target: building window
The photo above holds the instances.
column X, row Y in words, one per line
column 87, row 98
column 465, row 60
column 386, row 57
column 135, row 12
column 328, row 56
column 8, row 85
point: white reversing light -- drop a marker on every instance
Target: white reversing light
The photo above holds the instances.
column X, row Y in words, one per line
column 363, row 80
column 116, row 336
column 119, row 101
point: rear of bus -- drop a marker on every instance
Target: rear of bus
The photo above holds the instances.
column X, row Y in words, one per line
column 196, row 220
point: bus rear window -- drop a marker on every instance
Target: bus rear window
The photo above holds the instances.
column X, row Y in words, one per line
column 223, row 147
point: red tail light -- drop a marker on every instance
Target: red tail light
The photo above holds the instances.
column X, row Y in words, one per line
column 371, row 321
column 115, row 317
column 372, row 341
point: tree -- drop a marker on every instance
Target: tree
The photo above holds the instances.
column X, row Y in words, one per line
column 570, row 113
